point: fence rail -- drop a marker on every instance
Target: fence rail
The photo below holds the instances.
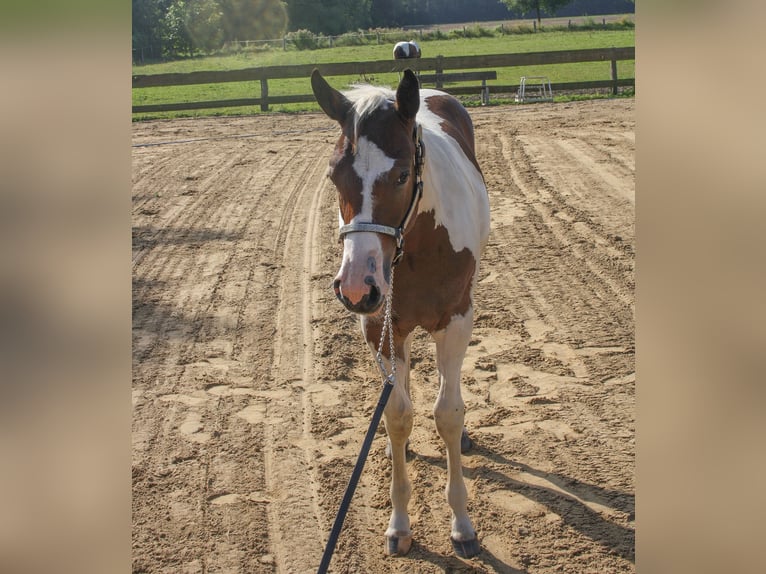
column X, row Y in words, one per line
column 438, row 64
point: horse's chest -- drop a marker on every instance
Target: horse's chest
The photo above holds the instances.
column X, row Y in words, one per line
column 433, row 281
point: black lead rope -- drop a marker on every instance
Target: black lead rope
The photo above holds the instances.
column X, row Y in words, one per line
column 361, row 459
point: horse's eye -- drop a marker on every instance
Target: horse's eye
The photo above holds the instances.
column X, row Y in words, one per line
column 403, row 177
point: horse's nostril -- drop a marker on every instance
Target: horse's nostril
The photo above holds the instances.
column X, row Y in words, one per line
column 374, row 296
column 336, row 288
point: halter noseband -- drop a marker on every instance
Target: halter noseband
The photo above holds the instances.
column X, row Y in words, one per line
column 397, row 232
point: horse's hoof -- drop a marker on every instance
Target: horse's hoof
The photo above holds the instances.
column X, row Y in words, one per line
column 466, row 548
column 465, row 442
column 398, row 545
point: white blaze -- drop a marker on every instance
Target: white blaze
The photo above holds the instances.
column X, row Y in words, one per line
column 360, row 248
column 370, row 163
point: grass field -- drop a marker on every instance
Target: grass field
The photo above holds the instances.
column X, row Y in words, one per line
column 514, row 43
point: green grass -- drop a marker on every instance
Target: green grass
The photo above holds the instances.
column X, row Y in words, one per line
column 511, row 43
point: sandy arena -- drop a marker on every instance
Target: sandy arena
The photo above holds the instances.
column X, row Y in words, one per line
column 252, row 387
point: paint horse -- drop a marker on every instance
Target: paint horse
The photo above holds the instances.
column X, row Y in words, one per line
column 405, row 50
column 413, row 205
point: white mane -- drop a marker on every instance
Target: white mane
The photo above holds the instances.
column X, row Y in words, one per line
column 366, row 99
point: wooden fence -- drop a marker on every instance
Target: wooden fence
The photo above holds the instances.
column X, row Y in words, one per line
column 438, row 64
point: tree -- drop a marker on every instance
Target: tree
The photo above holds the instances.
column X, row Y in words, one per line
column 149, row 27
column 331, row 17
column 386, row 13
column 253, row 19
column 203, row 20
column 538, row 6
column 192, row 25
column 176, row 36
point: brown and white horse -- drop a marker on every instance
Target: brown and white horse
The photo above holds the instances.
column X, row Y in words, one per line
column 434, row 240
column 406, row 50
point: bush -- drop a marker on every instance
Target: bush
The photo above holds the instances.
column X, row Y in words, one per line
column 476, row 31
column 626, row 22
column 436, row 35
column 302, row 39
column 351, row 39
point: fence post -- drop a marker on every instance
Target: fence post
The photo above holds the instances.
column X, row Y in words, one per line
column 614, row 73
column 284, row 43
column 439, row 71
column 534, row 25
column 264, row 95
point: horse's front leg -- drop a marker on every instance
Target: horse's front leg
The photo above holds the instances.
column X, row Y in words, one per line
column 449, row 414
column 397, row 418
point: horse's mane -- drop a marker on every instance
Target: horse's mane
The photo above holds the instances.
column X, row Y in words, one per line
column 366, row 99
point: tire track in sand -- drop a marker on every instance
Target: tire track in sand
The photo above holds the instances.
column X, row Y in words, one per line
column 296, row 526
column 203, row 460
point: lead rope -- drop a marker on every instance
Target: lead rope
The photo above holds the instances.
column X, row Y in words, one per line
column 388, row 384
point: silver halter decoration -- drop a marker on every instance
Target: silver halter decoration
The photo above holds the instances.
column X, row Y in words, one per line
column 387, row 329
column 397, row 232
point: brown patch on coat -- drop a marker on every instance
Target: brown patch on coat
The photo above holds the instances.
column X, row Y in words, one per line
column 345, row 179
column 432, row 283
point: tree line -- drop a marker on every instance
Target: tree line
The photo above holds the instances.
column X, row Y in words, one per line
column 172, row 28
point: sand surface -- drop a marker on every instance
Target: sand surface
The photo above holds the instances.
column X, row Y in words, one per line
column 253, row 389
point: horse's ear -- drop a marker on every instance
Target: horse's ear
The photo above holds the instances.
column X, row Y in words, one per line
column 408, row 95
column 334, row 104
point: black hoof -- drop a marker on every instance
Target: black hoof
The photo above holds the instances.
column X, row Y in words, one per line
column 465, row 442
column 466, row 548
column 398, row 545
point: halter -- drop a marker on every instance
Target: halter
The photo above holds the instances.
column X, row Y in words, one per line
column 397, row 232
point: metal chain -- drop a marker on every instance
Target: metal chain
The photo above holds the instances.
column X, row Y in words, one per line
column 388, row 328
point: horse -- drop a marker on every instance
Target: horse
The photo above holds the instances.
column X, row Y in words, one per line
column 405, row 50
column 412, row 205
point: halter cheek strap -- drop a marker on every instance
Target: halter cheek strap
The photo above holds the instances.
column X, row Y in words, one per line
column 397, row 232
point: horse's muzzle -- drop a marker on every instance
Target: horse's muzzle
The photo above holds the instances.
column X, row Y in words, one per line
column 369, row 303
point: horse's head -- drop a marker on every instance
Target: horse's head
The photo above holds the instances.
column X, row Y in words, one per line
column 373, row 168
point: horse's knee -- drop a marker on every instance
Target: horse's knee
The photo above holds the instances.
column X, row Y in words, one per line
column 449, row 416
column 398, row 418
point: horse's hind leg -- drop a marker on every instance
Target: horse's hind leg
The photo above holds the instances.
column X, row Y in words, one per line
column 397, row 417
column 451, row 344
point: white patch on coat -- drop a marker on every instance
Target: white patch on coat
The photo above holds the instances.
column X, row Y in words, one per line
column 370, row 163
column 452, row 186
